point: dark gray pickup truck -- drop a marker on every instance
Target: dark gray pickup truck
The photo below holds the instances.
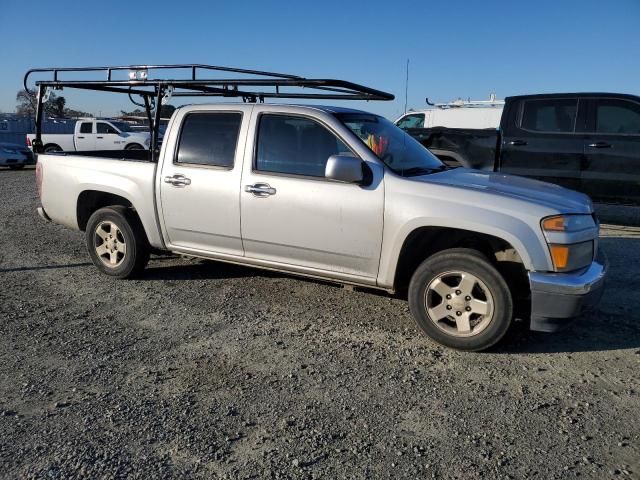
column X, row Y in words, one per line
column 588, row 142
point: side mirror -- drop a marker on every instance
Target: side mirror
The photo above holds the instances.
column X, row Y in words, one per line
column 344, row 168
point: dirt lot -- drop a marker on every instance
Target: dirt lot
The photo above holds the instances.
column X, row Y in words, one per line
column 205, row 370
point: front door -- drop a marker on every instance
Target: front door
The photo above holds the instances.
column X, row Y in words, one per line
column 291, row 214
column 540, row 142
column 612, row 167
column 199, row 187
column 108, row 138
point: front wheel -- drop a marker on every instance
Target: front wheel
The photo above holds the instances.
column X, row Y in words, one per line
column 460, row 300
column 134, row 146
column 116, row 242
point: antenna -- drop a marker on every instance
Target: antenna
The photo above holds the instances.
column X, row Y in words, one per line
column 406, row 88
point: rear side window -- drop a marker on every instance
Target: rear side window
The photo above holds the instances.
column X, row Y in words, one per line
column 553, row 115
column 295, row 145
column 86, row 127
column 617, row 116
column 412, row 121
column 209, row 139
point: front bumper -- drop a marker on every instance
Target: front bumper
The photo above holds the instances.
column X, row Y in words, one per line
column 557, row 298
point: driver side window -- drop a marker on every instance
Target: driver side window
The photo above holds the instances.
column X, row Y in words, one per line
column 411, row 121
column 295, row 145
column 105, row 128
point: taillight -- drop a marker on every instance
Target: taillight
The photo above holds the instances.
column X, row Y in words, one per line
column 28, row 141
column 39, row 178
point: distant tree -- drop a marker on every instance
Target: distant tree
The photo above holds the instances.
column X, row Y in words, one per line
column 26, row 103
column 55, row 106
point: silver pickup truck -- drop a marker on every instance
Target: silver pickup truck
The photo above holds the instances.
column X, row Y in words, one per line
column 340, row 195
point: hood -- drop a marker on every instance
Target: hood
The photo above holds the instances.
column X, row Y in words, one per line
column 510, row 186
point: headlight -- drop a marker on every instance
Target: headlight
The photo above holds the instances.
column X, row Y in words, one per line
column 560, row 230
column 567, row 223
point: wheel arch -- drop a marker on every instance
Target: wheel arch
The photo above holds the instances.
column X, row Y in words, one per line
column 52, row 144
column 91, row 200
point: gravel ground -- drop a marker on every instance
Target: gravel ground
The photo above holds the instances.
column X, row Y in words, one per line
column 205, row 370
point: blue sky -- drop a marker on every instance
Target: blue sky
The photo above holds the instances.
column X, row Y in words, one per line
column 456, row 48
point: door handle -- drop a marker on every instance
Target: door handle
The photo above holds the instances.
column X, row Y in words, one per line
column 177, row 180
column 600, row 145
column 517, row 143
column 260, row 189
column 80, row 137
column 99, row 137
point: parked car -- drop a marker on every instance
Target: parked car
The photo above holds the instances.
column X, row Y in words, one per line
column 458, row 114
column 15, row 156
column 95, row 134
column 341, row 195
column 589, row 142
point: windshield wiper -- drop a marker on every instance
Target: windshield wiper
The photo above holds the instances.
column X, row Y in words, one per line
column 409, row 172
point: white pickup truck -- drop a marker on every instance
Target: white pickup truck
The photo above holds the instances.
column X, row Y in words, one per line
column 341, row 195
column 94, row 134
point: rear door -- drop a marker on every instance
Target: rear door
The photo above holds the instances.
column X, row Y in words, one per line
column 200, row 180
column 612, row 167
column 85, row 137
column 292, row 214
column 540, row 140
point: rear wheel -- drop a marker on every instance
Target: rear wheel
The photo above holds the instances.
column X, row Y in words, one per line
column 134, row 146
column 52, row 148
column 460, row 300
column 116, row 242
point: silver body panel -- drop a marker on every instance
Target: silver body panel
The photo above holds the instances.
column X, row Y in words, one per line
column 310, row 226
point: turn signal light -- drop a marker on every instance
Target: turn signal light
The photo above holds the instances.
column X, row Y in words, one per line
column 554, row 224
column 560, row 256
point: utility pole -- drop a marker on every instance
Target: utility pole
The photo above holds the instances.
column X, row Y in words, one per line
column 406, row 88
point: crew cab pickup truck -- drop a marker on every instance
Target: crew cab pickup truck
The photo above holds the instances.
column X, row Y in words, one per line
column 90, row 134
column 588, row 142
column 340, row 195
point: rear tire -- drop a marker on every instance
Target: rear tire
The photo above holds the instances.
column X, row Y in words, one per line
column 116, row 242
column 52, row 148
column 134, row 146
column 460, row 300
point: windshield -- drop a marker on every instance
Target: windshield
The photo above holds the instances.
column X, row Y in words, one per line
column 397, row 149
column 122, row 126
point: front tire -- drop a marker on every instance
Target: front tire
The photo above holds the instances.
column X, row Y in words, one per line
column 460, row 300
column 134, row 146
column 116, row 242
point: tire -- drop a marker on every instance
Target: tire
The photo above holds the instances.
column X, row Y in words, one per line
column 479, row 309
column 116, row 242
column 134, row 146
column 52, row 148
column 16, row 167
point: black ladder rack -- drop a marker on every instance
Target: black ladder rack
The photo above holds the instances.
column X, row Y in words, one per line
column 253, row 86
